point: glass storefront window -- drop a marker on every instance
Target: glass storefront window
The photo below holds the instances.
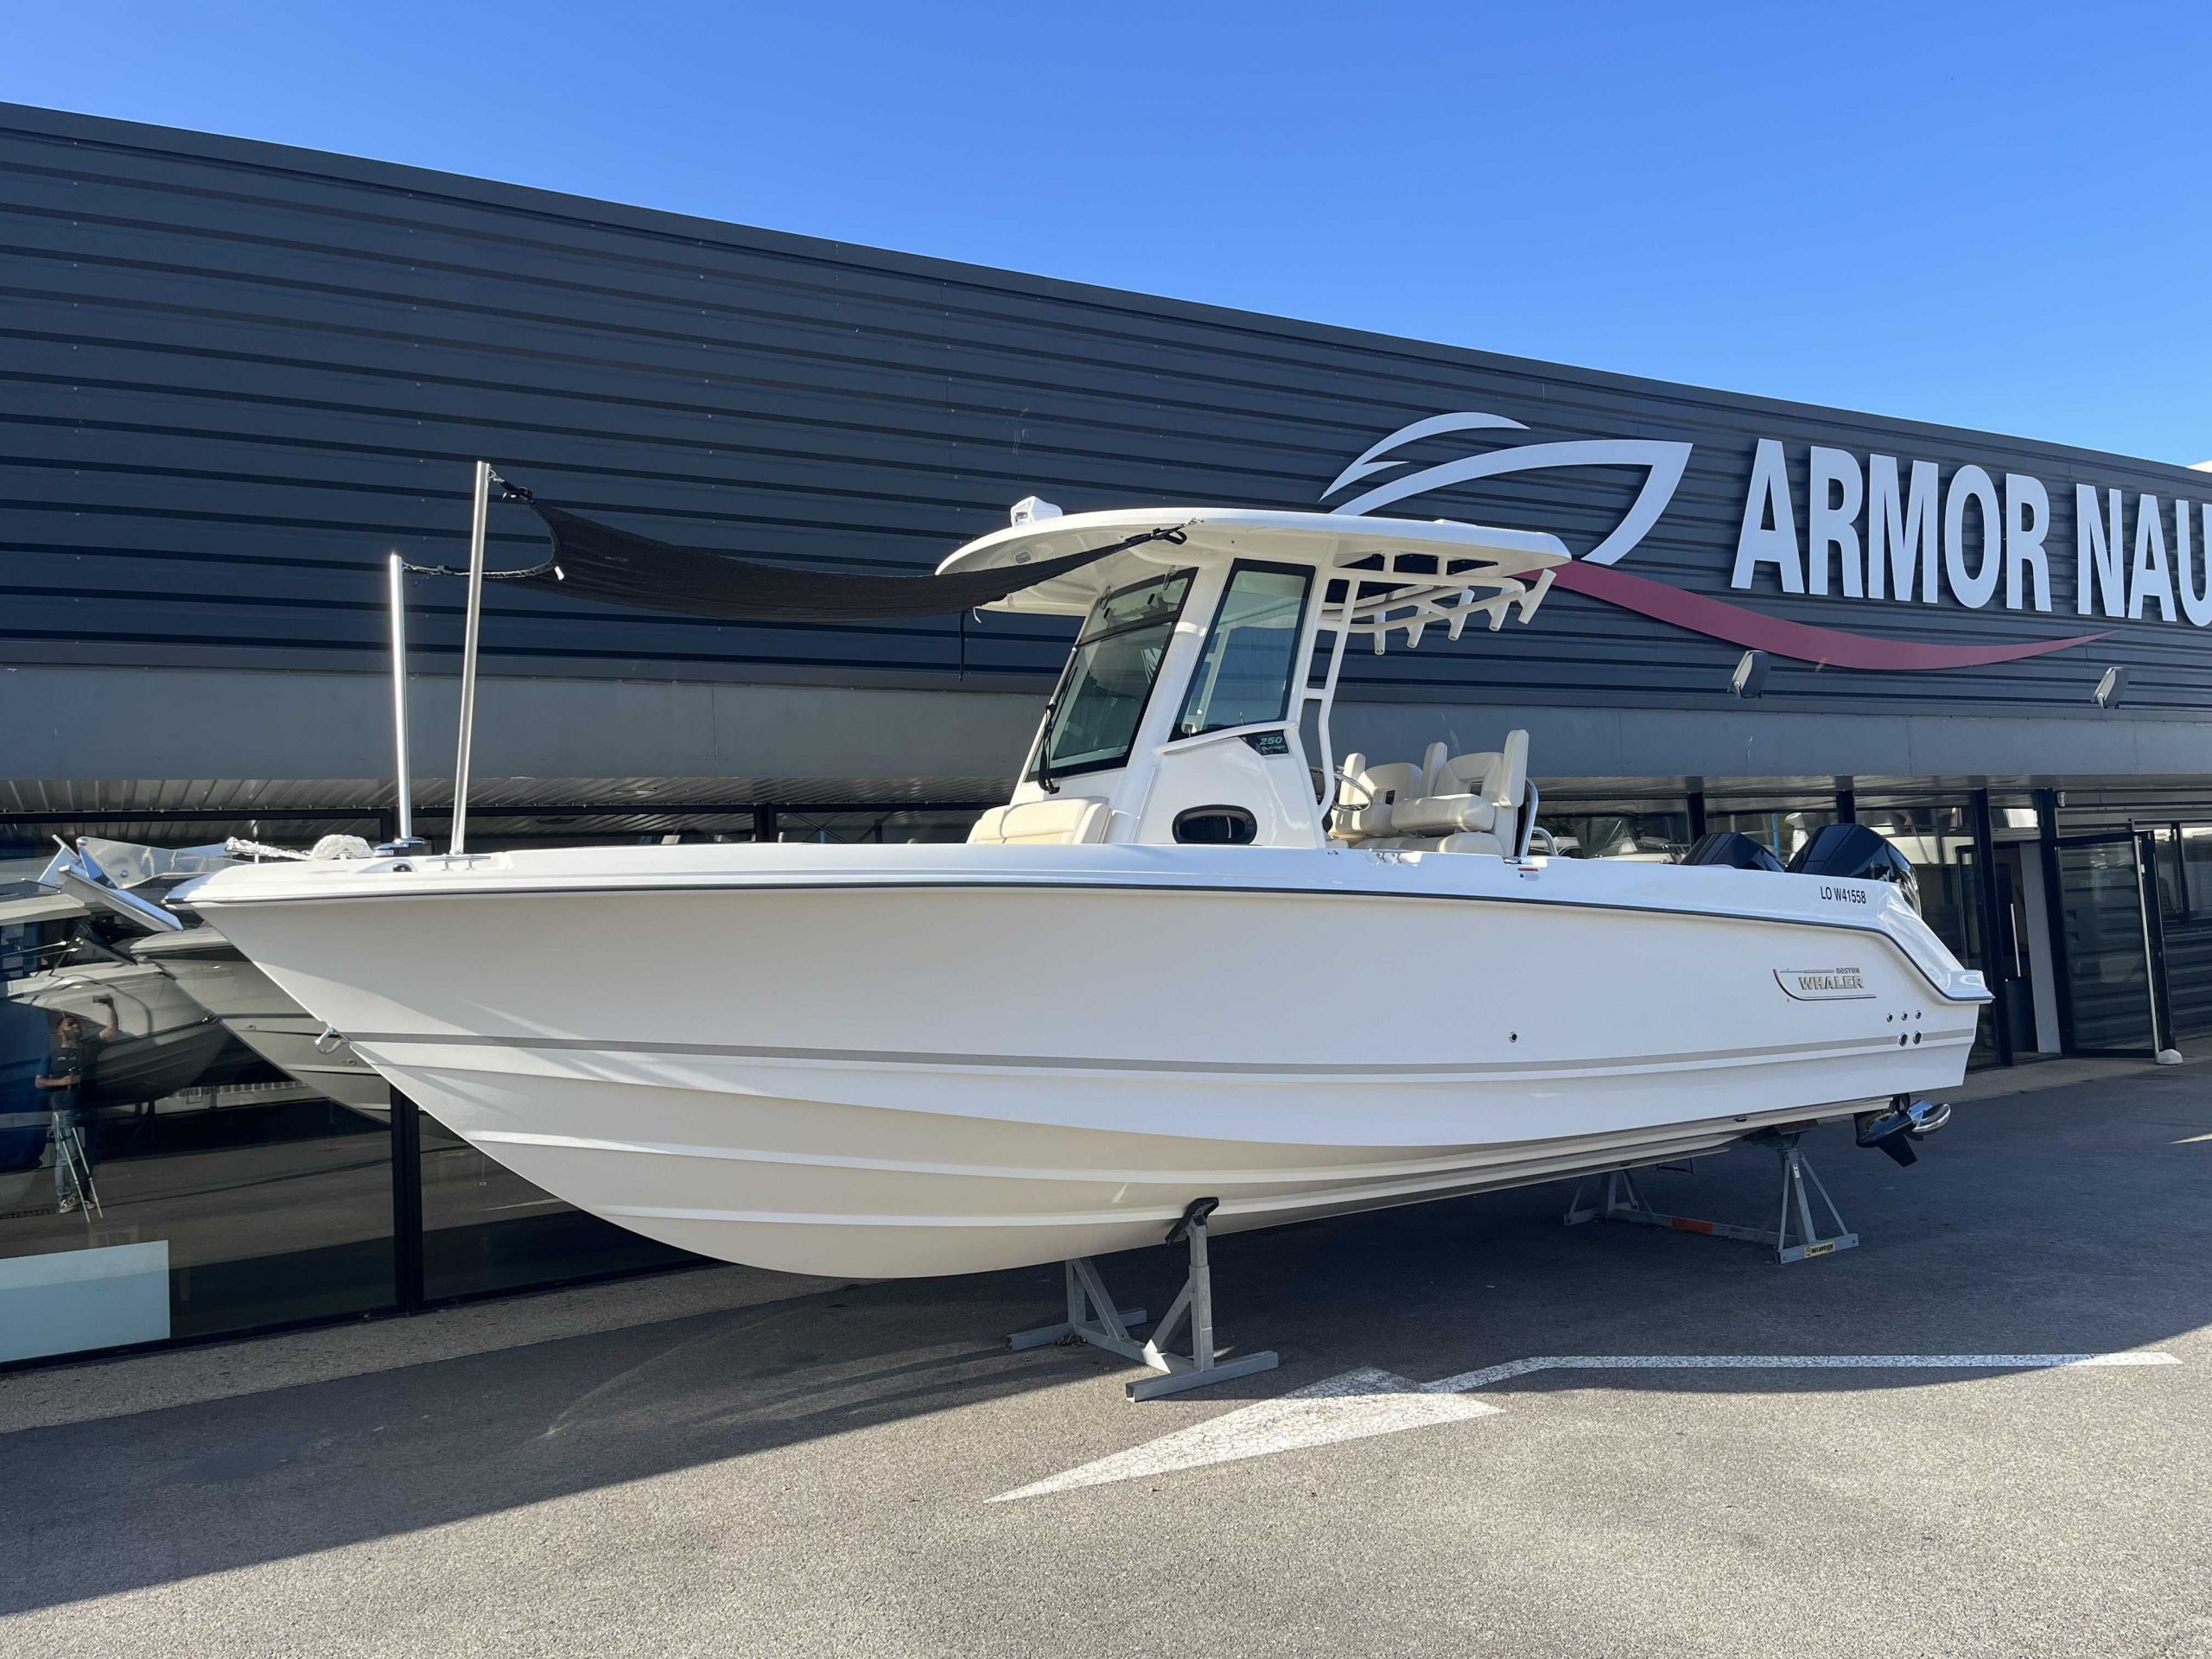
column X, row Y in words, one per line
column 502, row 832
column 887, row 824
column 2165, row 866
column 161, row 1173
column 1643, row 833
column 2107, row 955
column 1781, row 827
column 2196, row 851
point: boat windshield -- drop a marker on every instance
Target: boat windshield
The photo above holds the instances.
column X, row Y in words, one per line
column 1243, row 679
column 1094, row 716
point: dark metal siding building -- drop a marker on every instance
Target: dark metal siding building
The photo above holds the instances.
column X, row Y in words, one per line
column 233, row 376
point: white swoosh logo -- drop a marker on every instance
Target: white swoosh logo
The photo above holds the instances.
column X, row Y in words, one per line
column 1663, row 462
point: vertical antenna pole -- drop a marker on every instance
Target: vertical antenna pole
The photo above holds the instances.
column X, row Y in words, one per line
column 474, row 625
column 404, row 777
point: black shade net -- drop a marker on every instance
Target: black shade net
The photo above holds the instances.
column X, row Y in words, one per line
column 594, row 561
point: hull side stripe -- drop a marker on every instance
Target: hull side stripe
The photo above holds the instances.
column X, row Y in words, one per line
column 1441, row 1070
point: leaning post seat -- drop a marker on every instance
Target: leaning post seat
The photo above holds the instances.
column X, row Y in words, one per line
column 1475, row 800
column 1062, row 821
column 1368, row 797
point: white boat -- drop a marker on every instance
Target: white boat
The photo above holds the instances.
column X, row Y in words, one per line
column 164, row 1040
column 1165, row 971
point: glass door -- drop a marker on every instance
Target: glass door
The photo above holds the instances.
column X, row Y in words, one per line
column 2107, row 916
column 2016, row 982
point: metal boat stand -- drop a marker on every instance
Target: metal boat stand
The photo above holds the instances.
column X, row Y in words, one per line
column 1621, row 1199
column 1092, row 1318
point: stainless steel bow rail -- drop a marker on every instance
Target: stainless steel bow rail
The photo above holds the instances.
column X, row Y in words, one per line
column 471, row 632
column 395, row 573
column 1619, row 1199
column 403, row 788
column 1093, row 1318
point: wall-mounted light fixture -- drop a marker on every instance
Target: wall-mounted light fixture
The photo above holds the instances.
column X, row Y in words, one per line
column 1749, row 677
column 2112, row 687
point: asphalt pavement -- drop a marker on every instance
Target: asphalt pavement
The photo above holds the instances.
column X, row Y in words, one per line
column 814, row 1468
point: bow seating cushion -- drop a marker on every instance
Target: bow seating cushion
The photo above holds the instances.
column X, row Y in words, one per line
column 1064, row 820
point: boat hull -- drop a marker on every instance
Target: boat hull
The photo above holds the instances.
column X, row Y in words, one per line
column 858, row 1061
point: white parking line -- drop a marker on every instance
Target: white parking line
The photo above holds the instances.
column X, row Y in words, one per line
column 1359, row 1404
column 1490, row 1374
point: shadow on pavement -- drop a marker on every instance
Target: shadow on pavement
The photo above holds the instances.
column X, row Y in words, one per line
column 2068, row 1220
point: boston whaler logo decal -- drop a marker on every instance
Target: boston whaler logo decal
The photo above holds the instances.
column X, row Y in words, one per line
column 1822, row 984
column 1904, row 545
column 1662, row 461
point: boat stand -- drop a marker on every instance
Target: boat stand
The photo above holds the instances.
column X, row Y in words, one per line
column 1619, row 1199
column 1093, row 1318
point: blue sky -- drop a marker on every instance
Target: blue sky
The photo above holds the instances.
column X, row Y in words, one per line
column 1998, row 217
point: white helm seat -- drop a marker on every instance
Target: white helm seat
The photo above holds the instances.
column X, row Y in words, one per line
column 1368, row 797
column 1479, row 797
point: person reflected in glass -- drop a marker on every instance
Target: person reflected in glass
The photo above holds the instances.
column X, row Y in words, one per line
column 73, row 1135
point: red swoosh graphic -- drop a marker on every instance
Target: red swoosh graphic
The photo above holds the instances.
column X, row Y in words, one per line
column 1829, row 647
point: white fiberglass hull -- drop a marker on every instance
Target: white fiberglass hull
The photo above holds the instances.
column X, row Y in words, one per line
column 908, row 1060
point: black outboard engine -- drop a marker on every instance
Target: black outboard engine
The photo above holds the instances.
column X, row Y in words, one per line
column 1726, row 847
column 1906, row 1121
column 1856, row 853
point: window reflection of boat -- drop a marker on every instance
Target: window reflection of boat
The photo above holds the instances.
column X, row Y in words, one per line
column 197, row 971
column 1608, row 836
column 62, row 957
column 166, row 1042
column 216, row 976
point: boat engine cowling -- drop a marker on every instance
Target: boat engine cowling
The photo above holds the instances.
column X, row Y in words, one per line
column 1732, row 851
column 1856, row 853
column 1906, row 1121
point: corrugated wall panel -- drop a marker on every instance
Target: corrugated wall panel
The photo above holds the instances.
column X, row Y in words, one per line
column 233, row 375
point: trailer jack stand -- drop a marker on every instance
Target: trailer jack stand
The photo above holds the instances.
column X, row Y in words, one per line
column 1093, row 1318
column 1619, row 1199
